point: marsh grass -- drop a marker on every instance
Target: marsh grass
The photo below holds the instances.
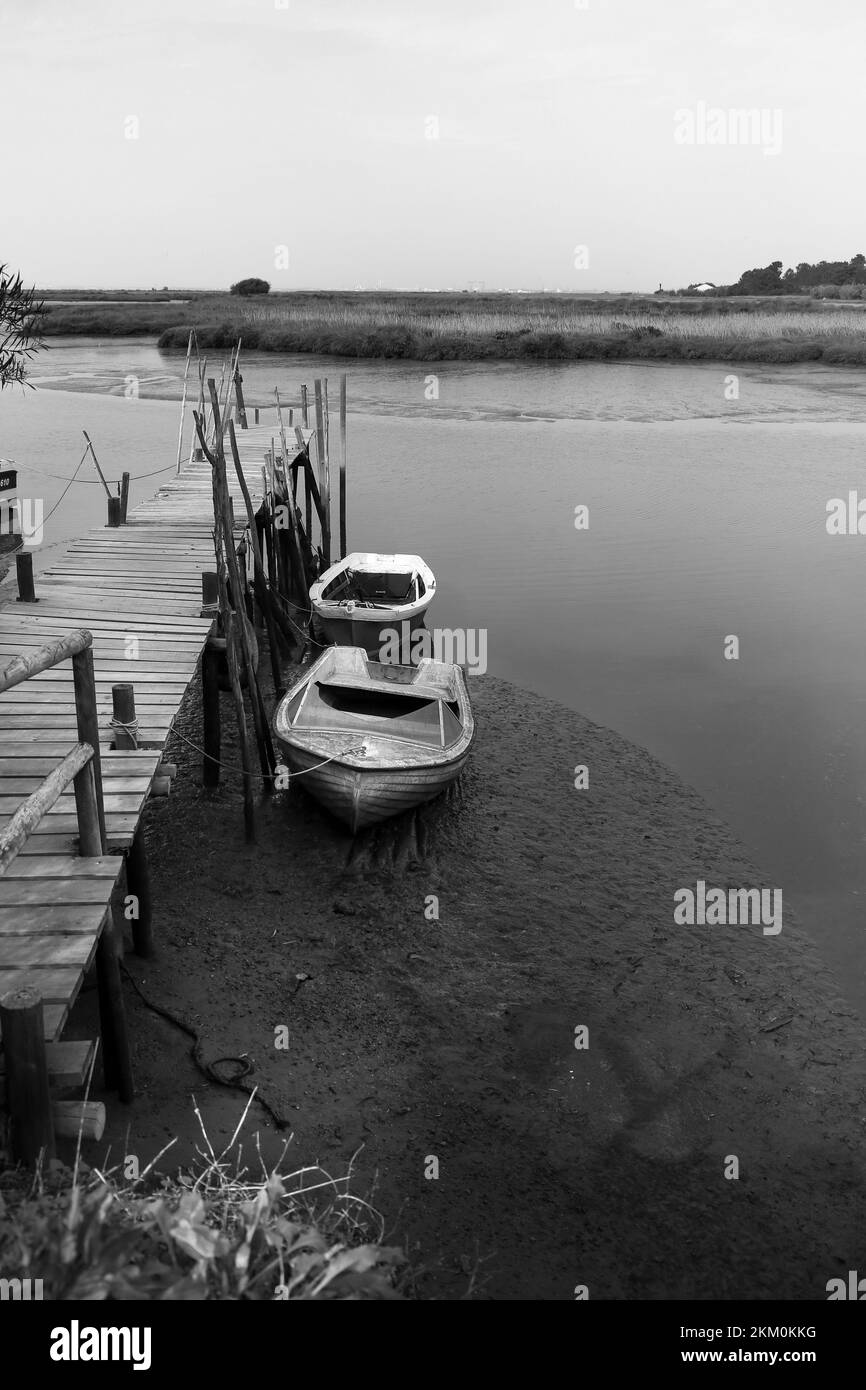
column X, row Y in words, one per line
column 473, row 323
column 442, row 326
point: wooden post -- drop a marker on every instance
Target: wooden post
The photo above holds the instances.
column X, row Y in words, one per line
column 24, row 573
column 197, row 451
column 183, row 399
column 238, row 646
column 343, row 452
column 114, row 511
column 296, row 554
column 239, row 397
column 138, row 884
column 308, row 494
column 96, row 461
column 304, row 410
column 210, row 592
column 237, row 695
column 291, row 482
column 239, row 632
column 324, row 484
column 123, row 710
column 124, row 497
column 263, row 734
column 87, row 717
column 116, row 1063
column 90, row 840
column 269, row 609
column 27, row 1096
column 210, row 667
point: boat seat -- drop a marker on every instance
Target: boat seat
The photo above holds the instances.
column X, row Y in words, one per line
column 414, row 690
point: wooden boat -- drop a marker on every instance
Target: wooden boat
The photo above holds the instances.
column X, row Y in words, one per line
column 375, row 739
column 367, row 595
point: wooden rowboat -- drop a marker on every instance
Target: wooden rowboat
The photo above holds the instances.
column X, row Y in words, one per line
column 372, row 740
column 367, row 595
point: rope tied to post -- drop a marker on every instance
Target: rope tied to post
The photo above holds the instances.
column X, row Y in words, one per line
column 130, row 728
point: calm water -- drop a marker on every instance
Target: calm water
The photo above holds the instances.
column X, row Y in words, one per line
column 707, row 517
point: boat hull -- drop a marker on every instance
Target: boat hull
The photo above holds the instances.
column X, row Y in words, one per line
column 360, row 797
column 372, row 637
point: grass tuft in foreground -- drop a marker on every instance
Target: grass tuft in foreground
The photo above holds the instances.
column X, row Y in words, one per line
column 212, row 1232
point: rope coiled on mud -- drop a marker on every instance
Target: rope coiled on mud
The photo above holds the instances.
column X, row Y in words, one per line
column 242, row 1063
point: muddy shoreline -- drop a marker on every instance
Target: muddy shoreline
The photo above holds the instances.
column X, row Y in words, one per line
column 411, row 1038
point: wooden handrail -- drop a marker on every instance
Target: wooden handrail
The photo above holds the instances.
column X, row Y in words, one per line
column 31, row 812
column 77, row 646
column 21, row 668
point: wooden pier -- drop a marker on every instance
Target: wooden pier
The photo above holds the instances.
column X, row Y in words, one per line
column 135, row 593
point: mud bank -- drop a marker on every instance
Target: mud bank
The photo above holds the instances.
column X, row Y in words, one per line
column 454, row 1038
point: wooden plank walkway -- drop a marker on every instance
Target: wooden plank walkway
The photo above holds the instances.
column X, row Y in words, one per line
column 137, row 589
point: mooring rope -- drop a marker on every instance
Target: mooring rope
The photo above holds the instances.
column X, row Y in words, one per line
column 131, row 728
column 229, row 767
column 242, row 1062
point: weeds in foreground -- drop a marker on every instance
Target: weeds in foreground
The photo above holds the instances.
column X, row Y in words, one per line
column 212, row 1232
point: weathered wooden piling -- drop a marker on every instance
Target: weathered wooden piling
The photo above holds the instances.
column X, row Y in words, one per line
column 138, row 885
column 87, row 717
column 239, row 397
column 324, row 475
column 183, row 398
column 210, row 679
column 96, row 462
column 28, row 1099
column 123, row 720
column 24, row 575
column 343, row 461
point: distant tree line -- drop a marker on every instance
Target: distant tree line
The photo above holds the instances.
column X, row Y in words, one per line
column 823, row 278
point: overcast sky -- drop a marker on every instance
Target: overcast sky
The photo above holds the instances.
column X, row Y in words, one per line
column 260, row 125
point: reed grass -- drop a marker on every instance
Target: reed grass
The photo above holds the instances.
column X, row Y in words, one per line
column 439, row 327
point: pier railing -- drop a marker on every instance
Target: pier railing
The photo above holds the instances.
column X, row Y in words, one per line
column 77, row 647
column 34, row 1117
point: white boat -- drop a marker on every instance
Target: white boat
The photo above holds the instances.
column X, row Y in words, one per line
column 374, row 739
column 367, row 595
